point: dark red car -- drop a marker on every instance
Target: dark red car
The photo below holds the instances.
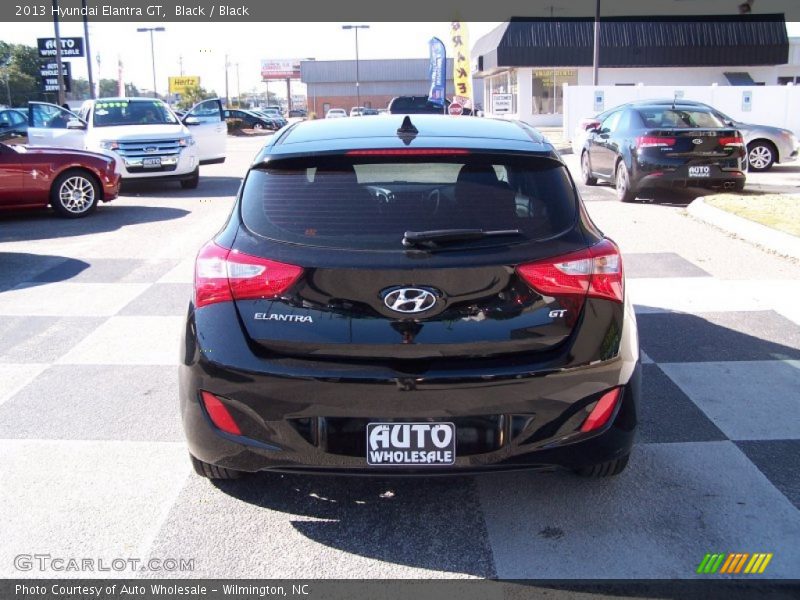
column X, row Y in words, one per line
column 71, row 181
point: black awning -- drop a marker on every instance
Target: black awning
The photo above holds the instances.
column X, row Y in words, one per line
column 716, row 40
column 739, row 78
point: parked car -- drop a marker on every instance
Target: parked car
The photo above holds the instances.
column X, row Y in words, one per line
column 357, row 111
column 251, row 119
column 766, row 145
column 272, row 108
column 298, row 112
column 336, row 113
column 13, row 124
column 415, row 105
column 369, row 112
column 143, row 135
column 655, row 145
column 71, row 181
column 425, row 296
column 277, row 119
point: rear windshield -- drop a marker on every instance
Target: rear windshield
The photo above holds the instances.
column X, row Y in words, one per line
column 678, row 118
column 370, row 202
column 132, row 112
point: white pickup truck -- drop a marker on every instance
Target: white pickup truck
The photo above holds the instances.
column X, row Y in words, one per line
column 145, row 137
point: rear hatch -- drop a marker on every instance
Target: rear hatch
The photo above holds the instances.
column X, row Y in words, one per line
column 406, row 255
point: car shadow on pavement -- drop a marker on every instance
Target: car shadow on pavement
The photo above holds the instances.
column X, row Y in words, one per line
column 209, row 187
column 404, row 521
column 43, row 224
column 19, row 269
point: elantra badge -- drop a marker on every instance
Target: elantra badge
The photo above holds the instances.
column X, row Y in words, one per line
column 409, row 300
column 287, row 318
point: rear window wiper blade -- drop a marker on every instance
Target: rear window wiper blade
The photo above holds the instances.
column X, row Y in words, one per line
column 443, row 236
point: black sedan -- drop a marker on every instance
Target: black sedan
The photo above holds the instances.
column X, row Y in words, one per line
column 251, row 119
column 641, row 146
column 412, row 295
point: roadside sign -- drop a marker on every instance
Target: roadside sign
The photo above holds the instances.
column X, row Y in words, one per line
column 747, row 101
column 178, row 85
column 280, row 68
column 50, row 84
column 71, row 47
column 50, row 69
column 455, row 109
column 599, row 100
column 501, row 103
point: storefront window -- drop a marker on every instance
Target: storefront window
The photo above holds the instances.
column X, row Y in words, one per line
column 505, row 83
column 512, row 89
column 548, row 91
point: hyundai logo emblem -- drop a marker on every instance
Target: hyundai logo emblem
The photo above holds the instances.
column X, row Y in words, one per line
column 409, row 300
column 696, row 141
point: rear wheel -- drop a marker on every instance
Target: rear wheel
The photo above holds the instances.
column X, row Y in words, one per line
column 586, row 170
column 623, row 184
column 605, row 469
column 193, row 181
column 210, row 471
column 760, row 155
column 257, row 125
column 738, row 186
column 74, row 194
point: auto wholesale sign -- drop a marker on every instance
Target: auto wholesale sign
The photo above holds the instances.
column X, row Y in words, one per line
column 280, row 68
column 71, row 47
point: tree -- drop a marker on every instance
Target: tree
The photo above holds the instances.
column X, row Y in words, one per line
column 19, row 71
column 108, row 88
column 192, row 95
column 80, row 89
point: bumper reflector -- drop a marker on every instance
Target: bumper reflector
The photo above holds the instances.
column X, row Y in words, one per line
column 602, row 411
column 219, row 414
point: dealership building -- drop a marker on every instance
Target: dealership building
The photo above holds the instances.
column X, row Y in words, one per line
column 332, row 83
column 525, row 63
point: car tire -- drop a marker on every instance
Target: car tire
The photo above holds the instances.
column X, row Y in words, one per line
column 258, row 126
column 760, row 155
column 193, row 181
column 738, row 186
column 622, row 183
column 210, row 471
column 605, row 469
column 586, row 172
column 74, row 194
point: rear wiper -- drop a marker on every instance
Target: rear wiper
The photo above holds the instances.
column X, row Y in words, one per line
column 443, row 236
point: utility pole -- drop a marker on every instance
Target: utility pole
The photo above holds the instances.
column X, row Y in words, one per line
column 596, row 57
column 152, row 52
column 180, row 64
column 238, row 88
column 358, row 88
column 88, row 49
column 61, row 97
column 227, row 95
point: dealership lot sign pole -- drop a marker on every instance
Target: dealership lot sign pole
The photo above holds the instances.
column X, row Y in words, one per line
column 61, row 98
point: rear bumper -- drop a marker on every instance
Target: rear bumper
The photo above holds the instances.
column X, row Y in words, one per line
column 297, row 415
column 678, row 178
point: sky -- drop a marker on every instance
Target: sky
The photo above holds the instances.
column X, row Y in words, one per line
column 203, row 47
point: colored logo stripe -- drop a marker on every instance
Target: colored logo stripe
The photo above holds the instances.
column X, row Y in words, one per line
column 733, row 563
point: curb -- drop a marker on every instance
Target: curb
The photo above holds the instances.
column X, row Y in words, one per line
column 755, row 233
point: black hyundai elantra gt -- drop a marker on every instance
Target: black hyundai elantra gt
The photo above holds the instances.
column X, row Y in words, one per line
column 409, row 295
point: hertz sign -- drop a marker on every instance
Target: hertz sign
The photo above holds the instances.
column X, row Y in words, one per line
column 178, row 85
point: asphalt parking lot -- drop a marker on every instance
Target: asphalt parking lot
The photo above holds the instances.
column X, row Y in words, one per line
column 93, row 464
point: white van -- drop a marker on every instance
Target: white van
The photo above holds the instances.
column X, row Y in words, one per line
column 145, row 137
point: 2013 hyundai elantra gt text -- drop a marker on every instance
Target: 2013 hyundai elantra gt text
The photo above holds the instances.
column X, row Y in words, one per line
column 409, row 295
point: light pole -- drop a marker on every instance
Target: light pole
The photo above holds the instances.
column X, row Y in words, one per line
column 152, row 52
column 358, row 90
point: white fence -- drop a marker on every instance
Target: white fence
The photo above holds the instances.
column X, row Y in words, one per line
column 777, row 105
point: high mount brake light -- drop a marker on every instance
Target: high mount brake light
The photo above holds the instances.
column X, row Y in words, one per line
column 652, row 141
column 595, row 272
column 409, row 152
column 223, row 275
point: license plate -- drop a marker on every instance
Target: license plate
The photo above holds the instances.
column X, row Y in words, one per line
column 699, row 171
column 411, row 444
column 151, row 163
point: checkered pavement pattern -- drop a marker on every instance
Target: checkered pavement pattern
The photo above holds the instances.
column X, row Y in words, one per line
column 92, row 460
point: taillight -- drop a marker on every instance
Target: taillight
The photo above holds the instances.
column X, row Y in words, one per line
column 595, row 272
column 219, row 414
column 223, row 275
column 731, row 141
column 602, row 411
column 652, row 141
